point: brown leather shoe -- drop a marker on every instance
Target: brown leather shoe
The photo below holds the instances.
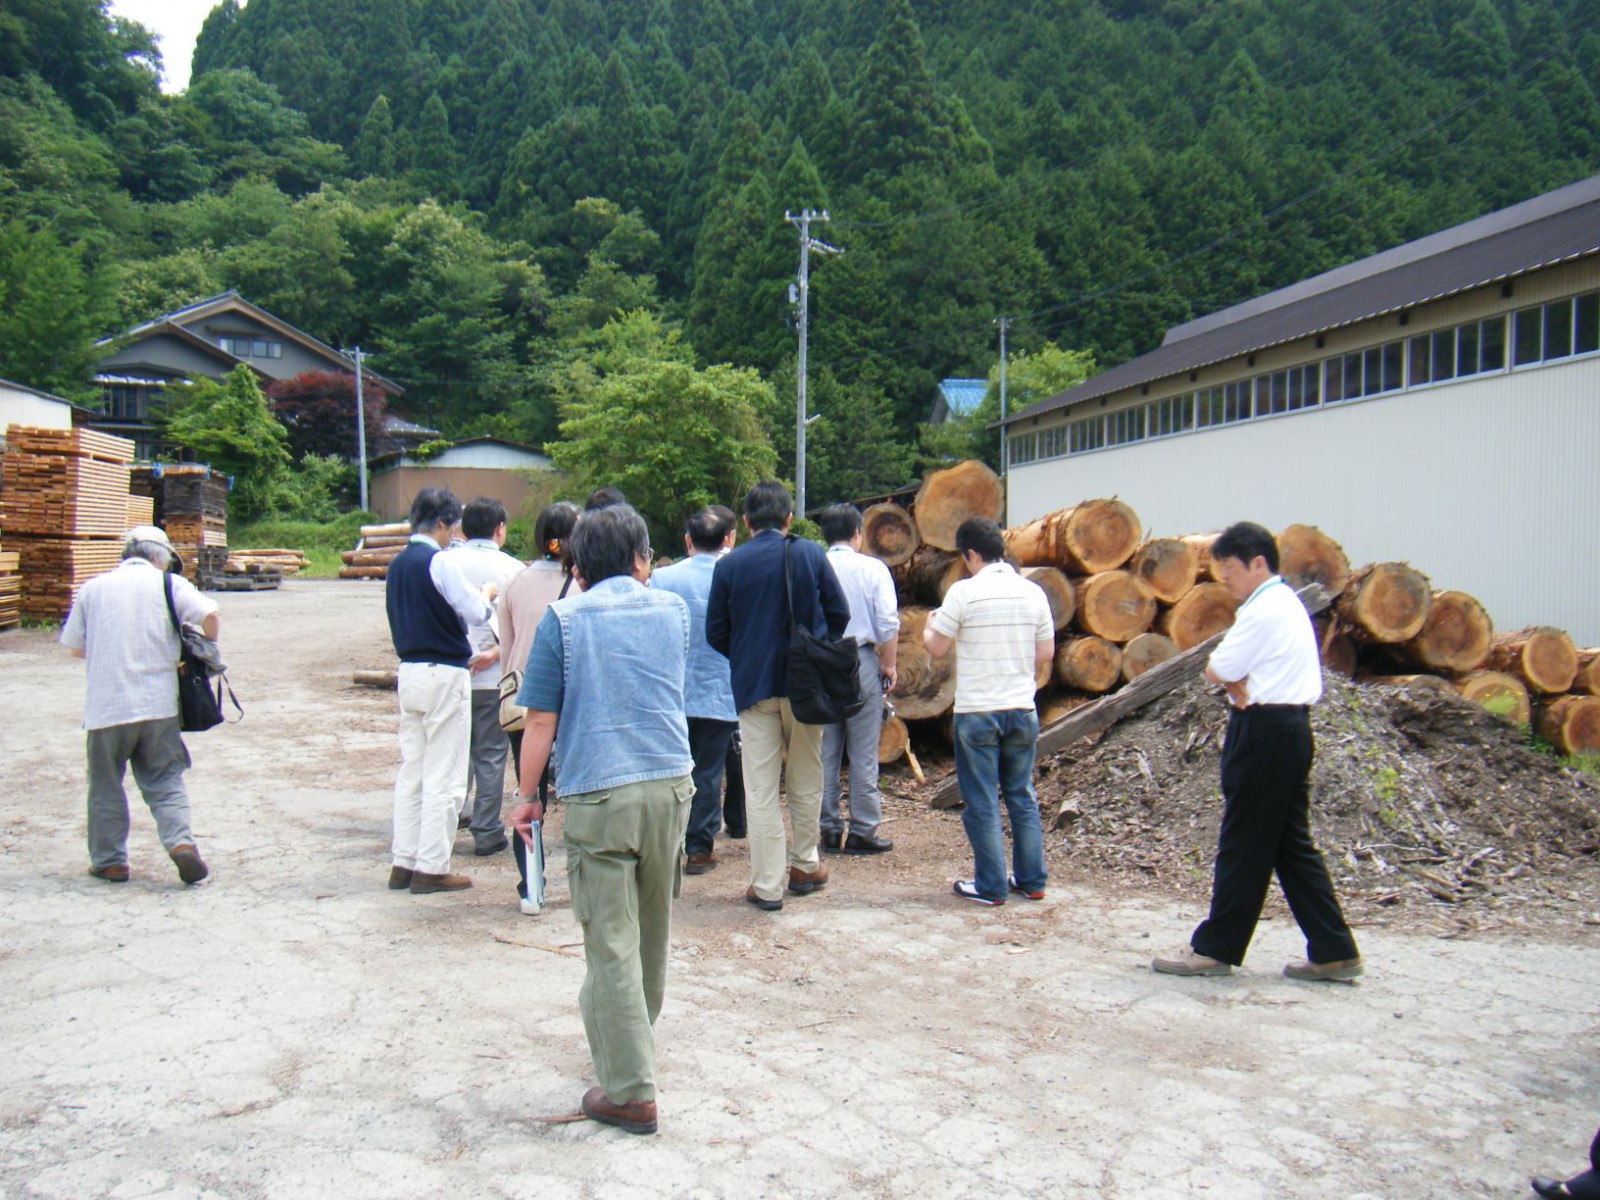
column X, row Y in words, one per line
column 422, row 883
column 115, row 873
column 637, row 1116
column 750, row 897
column 699, row 864
column 400, row 878
column 803, row 883
column 191, row 869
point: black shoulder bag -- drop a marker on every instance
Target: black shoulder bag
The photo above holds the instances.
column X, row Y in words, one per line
column 824, row 677
column 199, row 708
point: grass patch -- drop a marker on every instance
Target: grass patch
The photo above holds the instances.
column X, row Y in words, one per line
column 321, row 542
column 1589, row 764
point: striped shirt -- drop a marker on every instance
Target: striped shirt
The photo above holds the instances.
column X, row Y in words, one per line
column 995, row 617
column 121, row 623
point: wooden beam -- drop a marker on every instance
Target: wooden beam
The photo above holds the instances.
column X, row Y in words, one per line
column 1107, row 711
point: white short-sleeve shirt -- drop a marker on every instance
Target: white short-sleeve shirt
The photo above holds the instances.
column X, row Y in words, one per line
column 1273, row 647
column 995, row 617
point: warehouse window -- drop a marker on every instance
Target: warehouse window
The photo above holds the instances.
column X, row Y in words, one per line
column 1087, row 434
column 1023, row 448
column 1052, row 442
column 1223, row 405
column 1172, row 415
column 1125, row 426
column 1461, row 350
column 1560, row 329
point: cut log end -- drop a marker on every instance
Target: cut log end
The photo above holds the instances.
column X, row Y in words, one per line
column 1088, row 664
column 1456, row 636
column 1167, row 566
column 1504, row 695
column 889, row 533
column 1095, row 536
column 1058, row 591
column 951, row 496
column 1307, row 555
column 1570, row 723
column 1115, row 605
column 1146, row 651
column 1208, row 609
column 1542, row 656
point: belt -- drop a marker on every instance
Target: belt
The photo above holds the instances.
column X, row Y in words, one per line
column 1278, row 708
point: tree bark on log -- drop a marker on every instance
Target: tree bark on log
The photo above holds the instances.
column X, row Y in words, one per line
column 1587, row 681
column 375, row 679
column 1307, row 555
column 892, row 740
column 888, row 532
column 927, row 576
column 1455, row 637
column 1094, row 536
column 1168, row 567
column 1115, row 605
column 369, row 558
column 399, row 542
column 363, row 572
column 1088, row 664
column 1206, row 611
column 398, row 529
column 1108, row 710
column 1503, row 695
column 925, row 686
column 949, row 497
column 1385, row 602
column 1058, row 590
column 1570, row 723
column 1542, row 656
column 1144, row 652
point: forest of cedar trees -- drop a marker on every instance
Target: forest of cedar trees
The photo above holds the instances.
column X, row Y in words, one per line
column 551, row 219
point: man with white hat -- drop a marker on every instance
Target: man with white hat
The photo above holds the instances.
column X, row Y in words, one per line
column 121, row 625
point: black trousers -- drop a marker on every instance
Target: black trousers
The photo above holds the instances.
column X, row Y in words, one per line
column 1266, row 771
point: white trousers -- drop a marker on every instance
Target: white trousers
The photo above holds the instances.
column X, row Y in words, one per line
column 435, row 730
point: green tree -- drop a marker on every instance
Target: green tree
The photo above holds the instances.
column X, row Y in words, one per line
column 1030, row 377
column 436, row 162
column 50, row 311
column 229, row 425
column 374, row 149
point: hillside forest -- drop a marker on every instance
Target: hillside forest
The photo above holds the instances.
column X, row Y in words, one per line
column 562, row 221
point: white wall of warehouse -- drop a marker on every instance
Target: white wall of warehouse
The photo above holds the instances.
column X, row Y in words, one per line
column 1489, row 486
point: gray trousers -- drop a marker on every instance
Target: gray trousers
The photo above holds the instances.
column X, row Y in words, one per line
column 486, row 767
column 860, row 732
column 159, row 758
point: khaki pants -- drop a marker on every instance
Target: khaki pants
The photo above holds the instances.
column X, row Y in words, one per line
column 435, row 721
column 623, row 870
column 768, row 731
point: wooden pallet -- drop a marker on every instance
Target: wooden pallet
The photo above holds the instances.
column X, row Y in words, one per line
column 73, row 443
column 53, row 495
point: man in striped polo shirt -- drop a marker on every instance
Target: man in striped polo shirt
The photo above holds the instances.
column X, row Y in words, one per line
column 1000, row 625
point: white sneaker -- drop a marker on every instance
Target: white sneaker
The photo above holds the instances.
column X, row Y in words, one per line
column 529, row 908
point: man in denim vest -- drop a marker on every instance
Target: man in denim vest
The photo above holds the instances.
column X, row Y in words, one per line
column 604, row 690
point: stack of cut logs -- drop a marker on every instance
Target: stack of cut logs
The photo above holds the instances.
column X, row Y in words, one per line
column 377, row 546
column 260, row 562
column 66, row 515
column 1123, row 603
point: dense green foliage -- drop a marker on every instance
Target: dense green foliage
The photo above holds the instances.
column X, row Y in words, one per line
column 473, row 189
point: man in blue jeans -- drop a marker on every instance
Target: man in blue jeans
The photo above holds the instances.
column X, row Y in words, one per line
column 1000, row 625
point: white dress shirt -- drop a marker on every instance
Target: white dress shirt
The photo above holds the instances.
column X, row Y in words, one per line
column 480, row 561
column 869, row 591
column 1272, row 647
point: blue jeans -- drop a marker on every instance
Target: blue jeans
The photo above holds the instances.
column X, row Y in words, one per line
column 994, row 759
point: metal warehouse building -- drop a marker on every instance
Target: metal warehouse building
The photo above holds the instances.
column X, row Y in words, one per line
column 1438, row 403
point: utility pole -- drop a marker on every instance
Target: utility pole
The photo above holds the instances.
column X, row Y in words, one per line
column 361, row 429
column 1005, row 439
column 802, row 222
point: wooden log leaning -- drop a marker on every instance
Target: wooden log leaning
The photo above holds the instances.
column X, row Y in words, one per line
column 949, row 497
column 375, row 679
column 1503, row 695
column 1587, row 681
column 1108, row 710
column 1058, row 591
column 1115, row 605
column 1385, row 602
column 1455, row 637
column 1542, row 656
column 1307, row 555
column 1144, row 652
column 888, row 532
column 892, row 740
column 1094, row 536
column 1088, row 664
column 1168, row 566
column 1570, row 723
column 1205, row 611
column 925, row 686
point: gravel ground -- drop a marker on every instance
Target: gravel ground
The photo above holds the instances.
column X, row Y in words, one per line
column 292, row 1028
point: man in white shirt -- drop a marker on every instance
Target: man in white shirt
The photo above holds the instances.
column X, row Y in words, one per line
column 122, row 626
column 1269, row 665
column 481, row 561
column 1001, row 628
column 874, row 623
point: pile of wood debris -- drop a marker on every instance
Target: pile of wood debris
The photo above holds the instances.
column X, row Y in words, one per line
column 1428, row 808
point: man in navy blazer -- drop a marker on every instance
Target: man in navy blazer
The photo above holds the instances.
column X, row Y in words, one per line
column 748, row 620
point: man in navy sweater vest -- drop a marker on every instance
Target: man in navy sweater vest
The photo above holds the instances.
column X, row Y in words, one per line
column 431, row 607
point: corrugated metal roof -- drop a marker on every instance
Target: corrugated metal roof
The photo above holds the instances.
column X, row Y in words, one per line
column 963, row 395
column 1541, row 232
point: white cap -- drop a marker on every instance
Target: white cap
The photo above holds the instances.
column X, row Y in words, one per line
column 153, row 534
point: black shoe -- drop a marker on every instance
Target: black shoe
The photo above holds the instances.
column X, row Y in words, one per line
column 736, row 832
column 867, row 843
column 829, row 840
column 750, row 897
column 492, row 847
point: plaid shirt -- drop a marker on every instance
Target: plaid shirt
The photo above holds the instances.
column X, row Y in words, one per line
column 121, row 624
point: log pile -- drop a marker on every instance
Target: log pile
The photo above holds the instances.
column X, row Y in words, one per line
column 1123, row 603
column 65, row 514
column 255, row 562
column 374, row 550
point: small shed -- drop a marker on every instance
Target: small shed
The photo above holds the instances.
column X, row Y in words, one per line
column 472, row 467
column 957, row 398
column 21, row 405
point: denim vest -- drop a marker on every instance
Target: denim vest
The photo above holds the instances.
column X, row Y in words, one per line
column 624, row 650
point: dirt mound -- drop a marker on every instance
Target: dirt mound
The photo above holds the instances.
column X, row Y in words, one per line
column 1428, row 808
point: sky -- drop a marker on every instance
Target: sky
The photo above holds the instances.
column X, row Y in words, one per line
column 177, row 23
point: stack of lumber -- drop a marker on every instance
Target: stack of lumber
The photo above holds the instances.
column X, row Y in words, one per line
column 141, row 510
column 10, row 589
column 194, row 512
column 376, row 547
column 1123, row 603
column 65, row 502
